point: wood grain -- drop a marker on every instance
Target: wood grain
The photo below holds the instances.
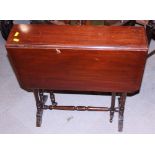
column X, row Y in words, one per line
column 80, row 58
column 82, row 37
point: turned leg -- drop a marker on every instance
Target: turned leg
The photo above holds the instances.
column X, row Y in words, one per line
column 121, row 103
column 52, row 97
column 40, row 102
column 112, row 108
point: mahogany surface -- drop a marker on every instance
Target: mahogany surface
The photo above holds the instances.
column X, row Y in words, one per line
column 82, row 58
column 83, row 37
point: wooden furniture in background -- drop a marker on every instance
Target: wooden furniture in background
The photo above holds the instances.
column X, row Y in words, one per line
column 49, row 58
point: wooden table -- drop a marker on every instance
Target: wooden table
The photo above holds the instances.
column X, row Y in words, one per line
column 49, row 58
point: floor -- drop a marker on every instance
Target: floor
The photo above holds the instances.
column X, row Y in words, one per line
column 17, row 107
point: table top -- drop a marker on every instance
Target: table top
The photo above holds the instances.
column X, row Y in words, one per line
column 80, row 37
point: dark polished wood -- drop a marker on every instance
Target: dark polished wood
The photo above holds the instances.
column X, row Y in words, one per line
column 79, row 37
column 81, row 70
column 78, row 58
column 98, row 58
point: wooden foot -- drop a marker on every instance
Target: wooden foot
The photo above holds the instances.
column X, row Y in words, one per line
column 121, row 103
column 40, row 102
column 39, row 118
column 112, row 108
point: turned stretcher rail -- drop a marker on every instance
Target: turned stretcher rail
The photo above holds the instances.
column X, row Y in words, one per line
column 78, row 108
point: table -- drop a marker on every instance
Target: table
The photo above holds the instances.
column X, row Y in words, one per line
column 50, row 58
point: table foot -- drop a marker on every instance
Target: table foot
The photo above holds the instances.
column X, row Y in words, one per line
column 39, row 118
column 40, row 102
column 112, row 108
column 121, row 103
